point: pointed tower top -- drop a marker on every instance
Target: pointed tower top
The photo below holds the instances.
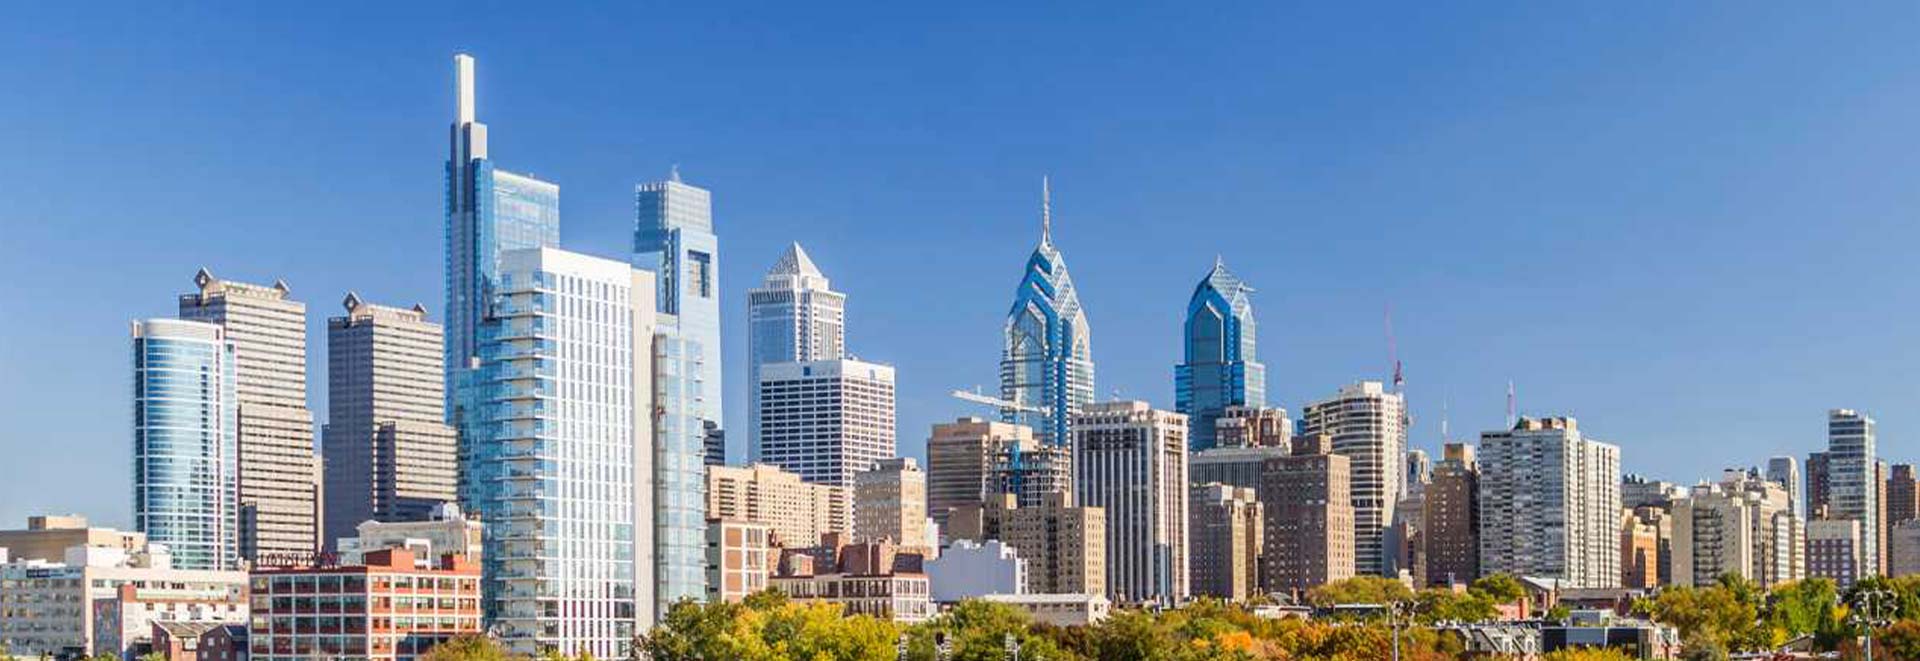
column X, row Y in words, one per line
column 674, row 174
column 795, row 262
column 1046, row 211
column 463, row 89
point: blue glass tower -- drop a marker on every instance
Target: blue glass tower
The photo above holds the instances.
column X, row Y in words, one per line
column 186, row 442
column 1046, row 364
column 489, row 212
column 673, row 238
column 1221, row 369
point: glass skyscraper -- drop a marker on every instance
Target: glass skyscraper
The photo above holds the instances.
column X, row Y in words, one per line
column 563, row 440
column 673, row 238
column 1046, row 364
column 1220, row 369
column 489, row 211
column 795, row 316
column 186, row 442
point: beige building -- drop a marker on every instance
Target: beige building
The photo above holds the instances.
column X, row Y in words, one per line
column 890, row 505
column 799, row 512
column 1452, row 516
column 1225, row 524
column 1369, row 427
column 1835, row 550
column 1639, row 553
column 279, row 475
column 863, row 579
column 48, row 607
column 1309, row 517
column 446, row 531
column 1060, row 610
column 48, row 538
column 1904, row 544
column 389, row 454
column 740, row 557
column 1252, row 427
column 973, row 458
column 1131, row 460
column 1744, row 525
column 1065, row 546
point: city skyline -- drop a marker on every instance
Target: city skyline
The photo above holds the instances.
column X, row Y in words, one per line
column 1125, row 285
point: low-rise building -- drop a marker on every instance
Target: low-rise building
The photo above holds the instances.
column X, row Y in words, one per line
column 48, row 538
column 199, row 641
column 1060, row 610
column 123, row 624
column 387, row 609
column 740, row 558
column 47, row 608
column 864, row 579
column 1064, row 544
column 969, row 569
column 446, row 531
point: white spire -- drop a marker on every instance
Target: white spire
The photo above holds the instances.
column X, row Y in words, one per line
column 1046, row 211
column 463, row 89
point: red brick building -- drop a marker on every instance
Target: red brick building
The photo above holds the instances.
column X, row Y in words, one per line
column 393, row 607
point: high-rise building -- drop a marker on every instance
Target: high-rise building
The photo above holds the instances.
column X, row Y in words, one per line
column 1660, row 521
column 1638, row 491
column 1046, row 363
column 1132, row 460
column 798, row 512
column 1785, row 471
column 1309, row 517
column 563, row 451
column 1835, row 550
column 1743, row 525
column 1221, row 367
column 1904, row 543
column 1225, row 528
column 185, row 442
column 1903, row 494
column 826, row 419
column 389, row 454
column 489, row 211
column 673, row 238
column 1368, row 426
column 1639, row 553
column 890, row 505
column 1550, row 504
column 1853, row 479
column 971, row 460
column 1819, row 486
column 795, row 316
column 1452, row 532
column 1065, row 545
column 1237, row 466
column 279, row 472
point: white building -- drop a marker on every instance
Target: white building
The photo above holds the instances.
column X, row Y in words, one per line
column 49, row 608
column 1060, row 610
column 1743, row 525
column 563, row 451
column 794, row 316
column 1550, row 504
column 1853, row 483
column 1369, row 427
column 447, row 531
column 1131, row 460
column 826, row 419
column 969, row 570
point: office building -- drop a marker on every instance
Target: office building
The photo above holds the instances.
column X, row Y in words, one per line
column 1452, row 518
column 673, row 238
column 1221, row 368
column 390, row 455
column 740, row 557
column 794, row 316
column 1046, row 362
column 186, row 442
column 1131, row 460
column 890, row 505
column 1309, row 517
column 279, row 475
column 1225, row 526
column 1064, row 545
column 1835, row 550
column 970, row 570
column 446, row 531
column 798, row 512
column 971, row 459
column 1550, row 504
column 826, row 419
column 394, row 607
column 1785, row 471
column 1854, row 483
column 63, row 608
column 1744, row 526
column 1369, row 427
column 562, row 453
column 1903, row 494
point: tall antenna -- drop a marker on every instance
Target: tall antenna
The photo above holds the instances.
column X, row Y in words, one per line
column 1393, row 353
column 1510, row 415
column 1046, row 211
column 1444, row 436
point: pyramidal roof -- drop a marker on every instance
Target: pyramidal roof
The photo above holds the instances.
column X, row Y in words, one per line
column 795, row 262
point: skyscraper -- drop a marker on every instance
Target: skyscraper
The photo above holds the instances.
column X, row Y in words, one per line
column 279, row 472
column 826, row 419
column 1853, row 483
column 562, row 454
column 1742, row 525
column 1368, row 426
column 1550, row 504
column 185, row 448
column 1819, row 491
column 1046, row 363
column 1309, row 517
column 971, row 460
column 794, row 316
column 1785, row 471
column 673, row 238
column 1221, row 369
column 489, row 211
column 1903, row 494
column 390, row 455
column 1225, row 540
column 1132, row 460
column 1452, row 502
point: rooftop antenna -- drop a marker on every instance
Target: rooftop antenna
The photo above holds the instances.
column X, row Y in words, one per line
column 1046, row 211
column 1510, row 415
column 1444, row 436
column 674, row 172
column 1393, row 353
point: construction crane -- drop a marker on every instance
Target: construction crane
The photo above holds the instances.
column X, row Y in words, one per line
column 978, row 397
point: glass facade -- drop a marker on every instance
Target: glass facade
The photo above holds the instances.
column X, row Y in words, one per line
column 674, row 240
column 561, row 441
column 794, row 316
column 1046, row 364
column 1221, row 369
column 185, row 442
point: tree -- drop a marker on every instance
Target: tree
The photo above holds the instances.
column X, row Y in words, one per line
column 1360, row 590
column 1501, row 588
column 1443, row 605
column 1900, row 640
column 469, row 647
column 1808, row 607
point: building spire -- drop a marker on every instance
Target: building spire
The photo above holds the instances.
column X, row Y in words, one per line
column 1046, row 211
column 464, row 111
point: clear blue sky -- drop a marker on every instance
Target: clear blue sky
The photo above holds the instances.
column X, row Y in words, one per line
column 1689, row 224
